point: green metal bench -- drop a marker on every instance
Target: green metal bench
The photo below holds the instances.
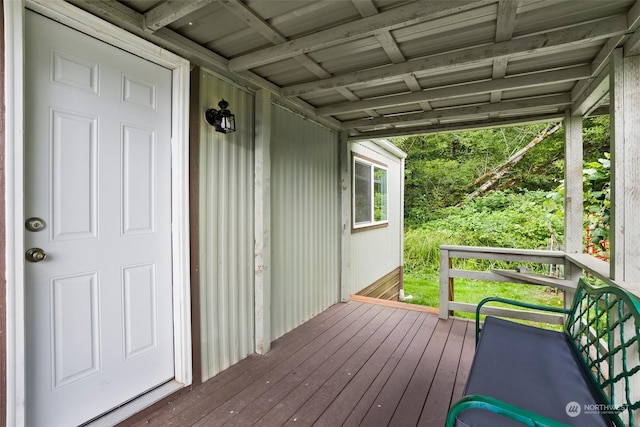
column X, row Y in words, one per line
column 588, row 374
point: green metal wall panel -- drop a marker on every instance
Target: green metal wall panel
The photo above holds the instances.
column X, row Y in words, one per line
column 305, row 220
column 226, row 230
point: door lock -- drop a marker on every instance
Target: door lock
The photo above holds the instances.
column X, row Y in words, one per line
column 35, row 224
column 35, row 255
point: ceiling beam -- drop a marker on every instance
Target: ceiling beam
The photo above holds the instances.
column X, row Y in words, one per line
column 451, row 60
column 365, row 7
column 505, row 25
column 257, row 24
column 473, row 88
column 461, row 112
column 590, row 98
column 170, row 11
column 632, row 46
column 506, row 20
column 391, row 48
column 580, row 92
column 457, row 126
column 395, row 18
column 601, row 61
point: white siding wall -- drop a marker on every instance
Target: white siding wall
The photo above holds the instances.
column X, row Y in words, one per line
column 226, row 230
column 378, row 251
column 305, row 220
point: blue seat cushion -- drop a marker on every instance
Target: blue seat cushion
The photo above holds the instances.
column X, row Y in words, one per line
column 534, row 369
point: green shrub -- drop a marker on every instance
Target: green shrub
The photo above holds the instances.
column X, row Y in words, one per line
column 501, row 219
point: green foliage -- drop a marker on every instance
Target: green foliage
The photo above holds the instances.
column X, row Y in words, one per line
column 595, row 136
column 596, row 178
column 502, row 219
column 525, row 212
column 440, row 168
column 597, row 197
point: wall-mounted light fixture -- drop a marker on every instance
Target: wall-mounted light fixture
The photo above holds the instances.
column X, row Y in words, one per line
column 223, row 120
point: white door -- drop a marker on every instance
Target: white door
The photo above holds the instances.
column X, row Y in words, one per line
column 97, row 173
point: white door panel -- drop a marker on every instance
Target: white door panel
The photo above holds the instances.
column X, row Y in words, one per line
column 98, row 172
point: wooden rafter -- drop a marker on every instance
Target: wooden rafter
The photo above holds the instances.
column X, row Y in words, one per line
column 582, row 91
column 271, row 34
column 440, row 63
column 505, row 25
column 472, row 88
column 454, row 126
column 459, row 112
column 395, row 18
column 401, row 104
column 391, row 48
column 170, row 11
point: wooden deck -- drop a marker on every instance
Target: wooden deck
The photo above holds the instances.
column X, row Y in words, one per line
column 356, row 364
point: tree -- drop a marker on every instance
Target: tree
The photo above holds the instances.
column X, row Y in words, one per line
column 490, row 179
column 439, row 168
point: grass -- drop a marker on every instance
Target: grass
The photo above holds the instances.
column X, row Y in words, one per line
column 424, row 290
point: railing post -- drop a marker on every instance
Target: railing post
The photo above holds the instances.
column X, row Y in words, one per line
column 446, row 284
column 451, row 286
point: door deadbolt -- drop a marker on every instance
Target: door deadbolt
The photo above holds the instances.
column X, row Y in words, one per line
column 35, row 255
column 35, row 224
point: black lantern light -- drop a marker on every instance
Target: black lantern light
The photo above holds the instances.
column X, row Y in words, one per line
column 223, row 120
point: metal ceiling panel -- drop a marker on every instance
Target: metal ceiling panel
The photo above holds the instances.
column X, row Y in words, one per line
column 388, row 57
column 541, row 16
column 527, row 92
column 552, row 60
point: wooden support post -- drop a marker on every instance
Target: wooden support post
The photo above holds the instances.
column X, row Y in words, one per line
column 262, row 210
column 574, row 195
column 345, row 206
column 625, row 170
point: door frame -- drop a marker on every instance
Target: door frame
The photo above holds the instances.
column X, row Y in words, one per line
column 73, row 17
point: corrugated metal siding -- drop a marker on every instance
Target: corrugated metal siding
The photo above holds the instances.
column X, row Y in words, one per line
column 305, row 220
column 226, row 230
column 376, row 252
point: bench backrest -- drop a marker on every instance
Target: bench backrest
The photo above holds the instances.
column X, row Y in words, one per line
column 604, row 326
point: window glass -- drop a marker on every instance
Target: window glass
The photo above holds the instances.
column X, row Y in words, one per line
column 362, row 193
column 369, row 193
column 379, row 194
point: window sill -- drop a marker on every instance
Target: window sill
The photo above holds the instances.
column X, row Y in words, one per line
column 369, row 227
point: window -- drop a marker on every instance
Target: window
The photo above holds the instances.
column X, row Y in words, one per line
column 369, row 193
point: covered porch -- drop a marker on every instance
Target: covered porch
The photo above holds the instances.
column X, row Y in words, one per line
column 354, row 364
column 267, row 331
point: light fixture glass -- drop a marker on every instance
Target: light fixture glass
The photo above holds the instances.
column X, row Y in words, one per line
column 223, row 120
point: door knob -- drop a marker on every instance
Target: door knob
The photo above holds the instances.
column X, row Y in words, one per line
column 35, row 255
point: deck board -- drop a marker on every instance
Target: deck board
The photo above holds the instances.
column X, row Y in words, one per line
column 437, row 404
column 387, row 401
column 419, row 388
column 355, row 364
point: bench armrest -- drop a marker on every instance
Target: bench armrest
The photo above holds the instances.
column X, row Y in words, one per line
column 517, row 304
column 499, row 407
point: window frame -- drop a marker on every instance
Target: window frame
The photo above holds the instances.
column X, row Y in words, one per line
column 373, row 165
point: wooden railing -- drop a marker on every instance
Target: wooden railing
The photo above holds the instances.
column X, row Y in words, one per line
column 448, row 274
